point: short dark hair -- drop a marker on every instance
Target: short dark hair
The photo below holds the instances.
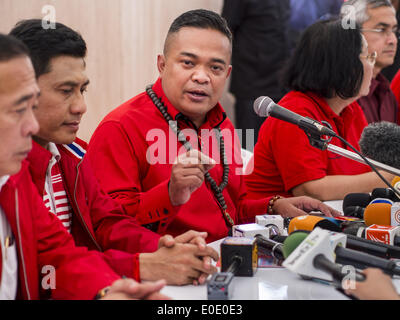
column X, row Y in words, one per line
column 202, row 19
column 326, row 61
column 47, row 43
column 11, row 48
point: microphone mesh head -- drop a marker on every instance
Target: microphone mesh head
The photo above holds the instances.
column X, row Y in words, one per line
column 380, row 141
column 377, row 213
column 261, row 106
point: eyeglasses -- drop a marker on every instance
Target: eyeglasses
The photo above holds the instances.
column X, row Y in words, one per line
column 371, row 58
column 384, row 31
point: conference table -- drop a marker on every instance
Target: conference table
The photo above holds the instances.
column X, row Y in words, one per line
column 269, row 283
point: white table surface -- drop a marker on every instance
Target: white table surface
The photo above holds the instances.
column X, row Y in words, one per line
column 267, row 284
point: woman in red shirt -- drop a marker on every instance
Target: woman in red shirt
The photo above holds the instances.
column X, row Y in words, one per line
column 329, row 70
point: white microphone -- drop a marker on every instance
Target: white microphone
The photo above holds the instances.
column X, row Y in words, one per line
column 315, row 257
column 266, row 107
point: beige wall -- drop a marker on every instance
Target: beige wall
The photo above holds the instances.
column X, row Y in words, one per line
column 123, row 38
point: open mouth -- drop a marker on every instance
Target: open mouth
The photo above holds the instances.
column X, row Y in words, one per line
column 197, row 95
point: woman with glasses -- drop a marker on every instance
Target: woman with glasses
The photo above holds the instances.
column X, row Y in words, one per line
column 328, row 71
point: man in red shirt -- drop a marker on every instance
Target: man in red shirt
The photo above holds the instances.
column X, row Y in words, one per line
column 64, row 178
column 195, row 183
column 378, row 23
column 32, row 239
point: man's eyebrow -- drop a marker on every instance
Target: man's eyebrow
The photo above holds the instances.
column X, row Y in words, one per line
column 384, row 25
column 191, row 55
column 72, row 83
column 24, row 98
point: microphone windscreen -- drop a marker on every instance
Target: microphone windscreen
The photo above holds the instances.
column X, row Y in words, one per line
column 377, row 213
column 260, row 106
column 292, row 242
column 395, row 180
column 356, row 200
column 385, row 193
column 309, row 222
column 380, row 141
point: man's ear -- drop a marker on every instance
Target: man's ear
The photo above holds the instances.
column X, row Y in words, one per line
column 229, row 71
column 161, row 63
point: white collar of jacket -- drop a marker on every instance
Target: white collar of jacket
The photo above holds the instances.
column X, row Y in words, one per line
column 54, row 151
column 3, row 181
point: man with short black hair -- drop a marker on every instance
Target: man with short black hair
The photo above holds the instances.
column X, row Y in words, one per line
column 32, row 240
column 64, row 178
column 170, row 155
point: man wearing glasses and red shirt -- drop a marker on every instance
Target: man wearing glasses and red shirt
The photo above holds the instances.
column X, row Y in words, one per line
column 377, row 19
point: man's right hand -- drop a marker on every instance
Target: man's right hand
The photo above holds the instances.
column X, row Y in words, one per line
column 187, row 175
column 179, row 265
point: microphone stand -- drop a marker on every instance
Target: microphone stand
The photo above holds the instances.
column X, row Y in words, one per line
column 317, row 141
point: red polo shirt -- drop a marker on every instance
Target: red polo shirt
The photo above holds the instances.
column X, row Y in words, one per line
column 380, row 104
column 132, row 152
column 283, row 156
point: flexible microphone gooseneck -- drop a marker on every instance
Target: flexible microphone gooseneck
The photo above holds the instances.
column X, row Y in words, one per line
column 266, row 107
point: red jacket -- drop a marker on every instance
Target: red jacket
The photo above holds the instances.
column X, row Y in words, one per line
column 98, row 222
column 121, row 152
column 42, row 240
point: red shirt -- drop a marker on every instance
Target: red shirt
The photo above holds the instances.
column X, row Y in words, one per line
column 395, row 87
column 124, row 158
column 380, row 104
column 283, row 156
column 42, row 241
column 98, row 223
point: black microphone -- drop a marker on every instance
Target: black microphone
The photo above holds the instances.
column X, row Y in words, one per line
column 238, row 258
column 392, row 251
column 385, row 193
column 270, row 247
column 360, row 260
column 380, row 141
column 356, row 199
column 354, row 211
column 266, row 107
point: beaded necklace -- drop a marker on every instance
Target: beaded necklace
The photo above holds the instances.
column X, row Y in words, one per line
column 217, row 190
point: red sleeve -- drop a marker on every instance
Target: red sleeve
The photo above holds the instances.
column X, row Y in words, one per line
column 113, row 228
column 80, row 273
column 296, row 160
column 114, row 161
column 395, row 86
column 123, row 263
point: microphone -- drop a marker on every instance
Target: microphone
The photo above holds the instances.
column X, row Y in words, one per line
column 380, row 141
column 382, row 234
column 309, row 223
column 262, row 235
column 354, row 211
column 238, row 258
column 385, row 193
column 378, row 213
column 276, row 222
column 334, row 245
column 266, row 107
column 356, row 199
column 311, row 256
column 396, row 182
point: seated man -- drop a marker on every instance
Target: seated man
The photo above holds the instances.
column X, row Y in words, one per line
column 34, row 239
column 138, row 160
column 378, row 23
column 65, row 180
